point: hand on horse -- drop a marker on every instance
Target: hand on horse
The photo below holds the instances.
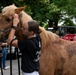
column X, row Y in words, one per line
column 15, row 20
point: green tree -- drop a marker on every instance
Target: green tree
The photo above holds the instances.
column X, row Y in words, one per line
column 47, row 12
column 52, row 11
column 67, row 10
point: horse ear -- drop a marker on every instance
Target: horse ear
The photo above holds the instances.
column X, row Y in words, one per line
column 13, row 4
column 18, row 10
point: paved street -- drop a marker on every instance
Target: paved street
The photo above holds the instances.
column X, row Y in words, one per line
column 14, row 68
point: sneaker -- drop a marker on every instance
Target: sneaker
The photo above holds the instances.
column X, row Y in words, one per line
column 6, row 67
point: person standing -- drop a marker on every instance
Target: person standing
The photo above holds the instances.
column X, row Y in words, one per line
column 30, row 46
column 4, row 54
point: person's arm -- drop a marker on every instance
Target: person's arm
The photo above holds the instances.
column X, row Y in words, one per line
column 12, row 32
column 4, row 44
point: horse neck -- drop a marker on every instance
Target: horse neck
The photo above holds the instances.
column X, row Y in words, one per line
column 25, row 17
column 47, row 38
column 44, row 37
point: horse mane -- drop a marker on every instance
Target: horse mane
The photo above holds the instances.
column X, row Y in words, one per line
column 48, row 37
column 25, row 17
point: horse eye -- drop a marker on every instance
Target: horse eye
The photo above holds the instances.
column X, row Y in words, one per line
column 8, row 19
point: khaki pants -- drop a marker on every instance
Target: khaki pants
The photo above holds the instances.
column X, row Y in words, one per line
column 33, row 73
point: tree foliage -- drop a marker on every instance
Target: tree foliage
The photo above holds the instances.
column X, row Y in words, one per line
column 47, row 12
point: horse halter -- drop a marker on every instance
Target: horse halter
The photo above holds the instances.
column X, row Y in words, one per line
column 3, row 31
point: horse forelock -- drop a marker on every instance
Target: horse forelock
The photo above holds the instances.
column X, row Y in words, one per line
column 8, row 10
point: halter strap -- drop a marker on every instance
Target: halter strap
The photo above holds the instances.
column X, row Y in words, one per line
column 8, row 29
column 5, row 30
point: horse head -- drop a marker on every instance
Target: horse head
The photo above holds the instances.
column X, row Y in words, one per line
column 6, row 20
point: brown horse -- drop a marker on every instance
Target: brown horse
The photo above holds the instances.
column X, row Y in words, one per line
column 58, row 57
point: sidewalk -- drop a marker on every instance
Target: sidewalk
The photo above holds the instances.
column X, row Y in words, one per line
column 14, row 68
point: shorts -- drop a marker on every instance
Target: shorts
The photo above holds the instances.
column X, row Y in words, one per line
column 33, row 73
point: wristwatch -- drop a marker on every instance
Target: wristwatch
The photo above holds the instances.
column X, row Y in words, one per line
column 14, row 27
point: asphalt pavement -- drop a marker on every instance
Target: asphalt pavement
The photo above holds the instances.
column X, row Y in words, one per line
column 14, row 68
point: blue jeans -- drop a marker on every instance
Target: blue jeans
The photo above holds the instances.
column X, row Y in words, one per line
column 4, row 54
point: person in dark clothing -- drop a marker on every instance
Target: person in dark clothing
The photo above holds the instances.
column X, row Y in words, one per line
column 30, row 47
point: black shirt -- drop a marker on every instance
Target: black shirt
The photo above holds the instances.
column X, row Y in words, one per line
column 30, row 49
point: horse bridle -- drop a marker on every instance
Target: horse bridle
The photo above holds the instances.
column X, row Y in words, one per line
column 5, row 30
column 2, row 31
